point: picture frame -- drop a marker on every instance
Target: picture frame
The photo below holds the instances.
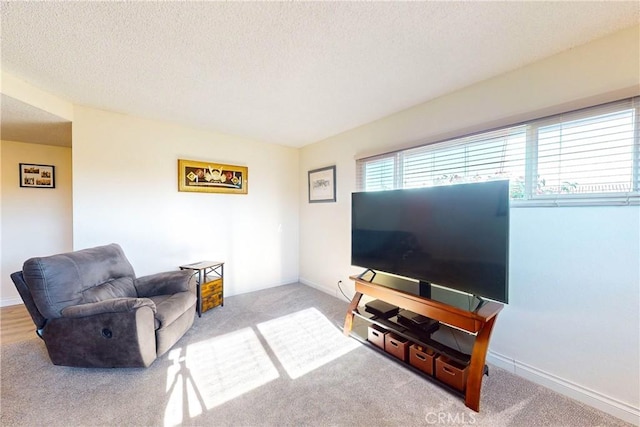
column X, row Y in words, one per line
column 37, row 176
column 322, row 185
column 212, row 177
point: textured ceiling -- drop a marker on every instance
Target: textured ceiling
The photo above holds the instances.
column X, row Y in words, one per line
column 291, row 73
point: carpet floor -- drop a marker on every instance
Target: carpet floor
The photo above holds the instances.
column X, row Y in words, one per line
column 275, row 357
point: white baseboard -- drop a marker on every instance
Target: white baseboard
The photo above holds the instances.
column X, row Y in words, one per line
column 5, row 302
column 582, row 394
column 326, row 289
column 333, row 291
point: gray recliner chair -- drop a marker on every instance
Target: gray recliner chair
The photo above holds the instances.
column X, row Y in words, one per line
column 92, row 311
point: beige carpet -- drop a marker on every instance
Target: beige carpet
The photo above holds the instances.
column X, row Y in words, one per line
column 269, row 358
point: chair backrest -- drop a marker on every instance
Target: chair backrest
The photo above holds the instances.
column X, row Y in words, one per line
column 87, row 275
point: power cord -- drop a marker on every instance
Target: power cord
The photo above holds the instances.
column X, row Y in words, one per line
column 342, row 292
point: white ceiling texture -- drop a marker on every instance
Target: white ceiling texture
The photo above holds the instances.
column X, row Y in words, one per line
column 290, row 73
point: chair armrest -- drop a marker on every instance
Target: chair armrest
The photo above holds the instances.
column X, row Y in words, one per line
column 168, row 283
column 115, row 305
column 27, row 298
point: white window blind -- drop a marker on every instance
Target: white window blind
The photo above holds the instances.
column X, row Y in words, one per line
column 379, row 173
column 581, row 157
column 498, row 154
column 592, row 152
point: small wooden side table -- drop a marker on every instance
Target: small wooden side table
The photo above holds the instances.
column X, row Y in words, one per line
column 209, row 286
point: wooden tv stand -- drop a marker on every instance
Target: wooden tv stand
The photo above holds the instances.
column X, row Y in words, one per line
column 479, row 322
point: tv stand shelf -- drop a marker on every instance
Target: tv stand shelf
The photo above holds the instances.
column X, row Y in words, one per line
column 471, row 329
column 459, row 349
column 359, row 332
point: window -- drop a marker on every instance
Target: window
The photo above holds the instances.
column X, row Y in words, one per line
column 379, row 174
column 589, row 157
column 491, row 155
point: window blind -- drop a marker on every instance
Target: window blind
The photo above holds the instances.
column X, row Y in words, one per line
column 379, row 173
column 498, row 154
column 591, row 151
column 585, row 155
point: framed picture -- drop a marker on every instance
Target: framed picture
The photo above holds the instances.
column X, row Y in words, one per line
column 37, row 176
column 208, row 177
column 322, row 185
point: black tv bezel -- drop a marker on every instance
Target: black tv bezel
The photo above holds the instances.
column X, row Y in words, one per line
column 503, row 296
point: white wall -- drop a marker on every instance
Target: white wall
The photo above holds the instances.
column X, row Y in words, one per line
column 126, row 191
column 572, row 322
column 574, row 307
column 35, row 221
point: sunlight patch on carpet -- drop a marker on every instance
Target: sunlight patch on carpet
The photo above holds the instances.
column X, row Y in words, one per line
column 305, row 340
column 208, row 373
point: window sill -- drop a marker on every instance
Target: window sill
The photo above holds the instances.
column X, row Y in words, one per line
column 632, row 199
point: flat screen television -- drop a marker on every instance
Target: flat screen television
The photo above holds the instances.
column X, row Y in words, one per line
column 454, row 236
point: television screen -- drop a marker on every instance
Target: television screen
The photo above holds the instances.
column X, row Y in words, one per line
column 455, row 236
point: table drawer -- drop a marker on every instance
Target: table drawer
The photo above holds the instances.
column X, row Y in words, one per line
column 211, row 294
